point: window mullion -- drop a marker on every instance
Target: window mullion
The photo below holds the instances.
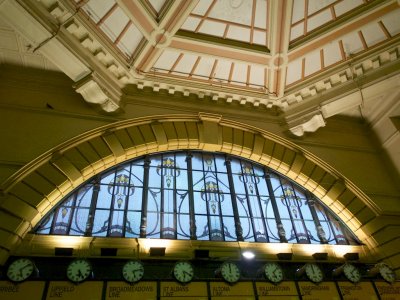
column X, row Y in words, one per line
column 143, row 220
column 320, row 231
column 263, row 218
column 174, row 199
column 191, row 197
column 238, row 226
column 278, row 220
column 92, row 209
column 248, row 202
column 162, row 201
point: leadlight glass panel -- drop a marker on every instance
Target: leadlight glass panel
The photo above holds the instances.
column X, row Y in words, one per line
column 196, row 195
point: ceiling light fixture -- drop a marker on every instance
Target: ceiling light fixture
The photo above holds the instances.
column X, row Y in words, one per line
column 248, row 255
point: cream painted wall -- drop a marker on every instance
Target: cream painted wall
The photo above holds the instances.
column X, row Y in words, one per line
column 39, row 111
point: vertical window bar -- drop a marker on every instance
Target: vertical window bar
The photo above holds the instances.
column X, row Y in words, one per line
column 279, row 225
column 328, row 220
column 248, row 201
column 175, row 204
column 192, row 221
column 207, row 200
column 71, row 216
column 219, row 202
column 343, row 228
column 143, row 220
column 238, row 226
column 110, row 215
column 320, row 231
column 300, row 213
column 126, row 201
column 263, row 219
column 290, row 213
column 162, row 229
column 92, row 209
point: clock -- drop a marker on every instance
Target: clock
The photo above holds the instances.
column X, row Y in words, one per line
column 79, row 270
column 133, row 271
column 230, row 272
column 21, row 269
column 314, row 272
column 273, row 272
column 183, row 271
column 387, row 273
column 352, row 273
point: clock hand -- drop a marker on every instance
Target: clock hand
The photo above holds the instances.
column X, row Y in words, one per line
column 80, row 273
column 313, row 269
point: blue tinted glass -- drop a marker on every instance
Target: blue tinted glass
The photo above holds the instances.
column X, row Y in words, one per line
column 200, row 203
column 168, row 197
column 105, row 196
column 137, row 176
column 226, row 205
column 220, row 163
column 182, row 202
column 183, row 227
column 79, row 221
column 229, row 229
column 180, row 160
column 132, row 224
column 197, row 161
column 135, row 200
column 223, row 184
column 101, row 222
column 202, row 232
column 181, row 179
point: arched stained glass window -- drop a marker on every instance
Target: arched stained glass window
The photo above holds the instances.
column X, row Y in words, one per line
column 196, row 195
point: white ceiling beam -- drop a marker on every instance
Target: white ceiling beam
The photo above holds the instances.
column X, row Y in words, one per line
column 158, row 36
column 280, row 16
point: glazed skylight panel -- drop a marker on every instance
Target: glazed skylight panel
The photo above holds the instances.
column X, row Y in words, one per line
column 308, row 15
column 343, row 47
column 205, row 68
column 115, row 24
column 244, row 21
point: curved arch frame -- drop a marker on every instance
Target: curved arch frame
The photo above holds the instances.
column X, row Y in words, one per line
column 30, row 193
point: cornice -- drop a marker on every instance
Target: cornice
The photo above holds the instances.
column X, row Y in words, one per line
column 69, row 39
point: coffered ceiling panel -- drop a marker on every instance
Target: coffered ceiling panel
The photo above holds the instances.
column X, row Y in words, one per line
column 111, row 20
column 345, row 44
column 240, row 20
column 311, row 14
column 218, row 70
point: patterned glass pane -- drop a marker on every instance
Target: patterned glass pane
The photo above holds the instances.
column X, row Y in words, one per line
column 268, row 207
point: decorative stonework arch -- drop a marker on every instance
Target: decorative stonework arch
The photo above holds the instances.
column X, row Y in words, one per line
column 30, row 193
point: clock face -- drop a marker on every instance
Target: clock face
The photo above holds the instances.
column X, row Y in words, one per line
column 387, row 273
column 230, row 272
column 351, row 273
column 20, row 269
column 183, row 271
column 314, row 273
column 79, row 270
column 133, row 271
column 273, row 272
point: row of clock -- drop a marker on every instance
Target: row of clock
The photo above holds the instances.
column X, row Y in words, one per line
column 81, row 269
